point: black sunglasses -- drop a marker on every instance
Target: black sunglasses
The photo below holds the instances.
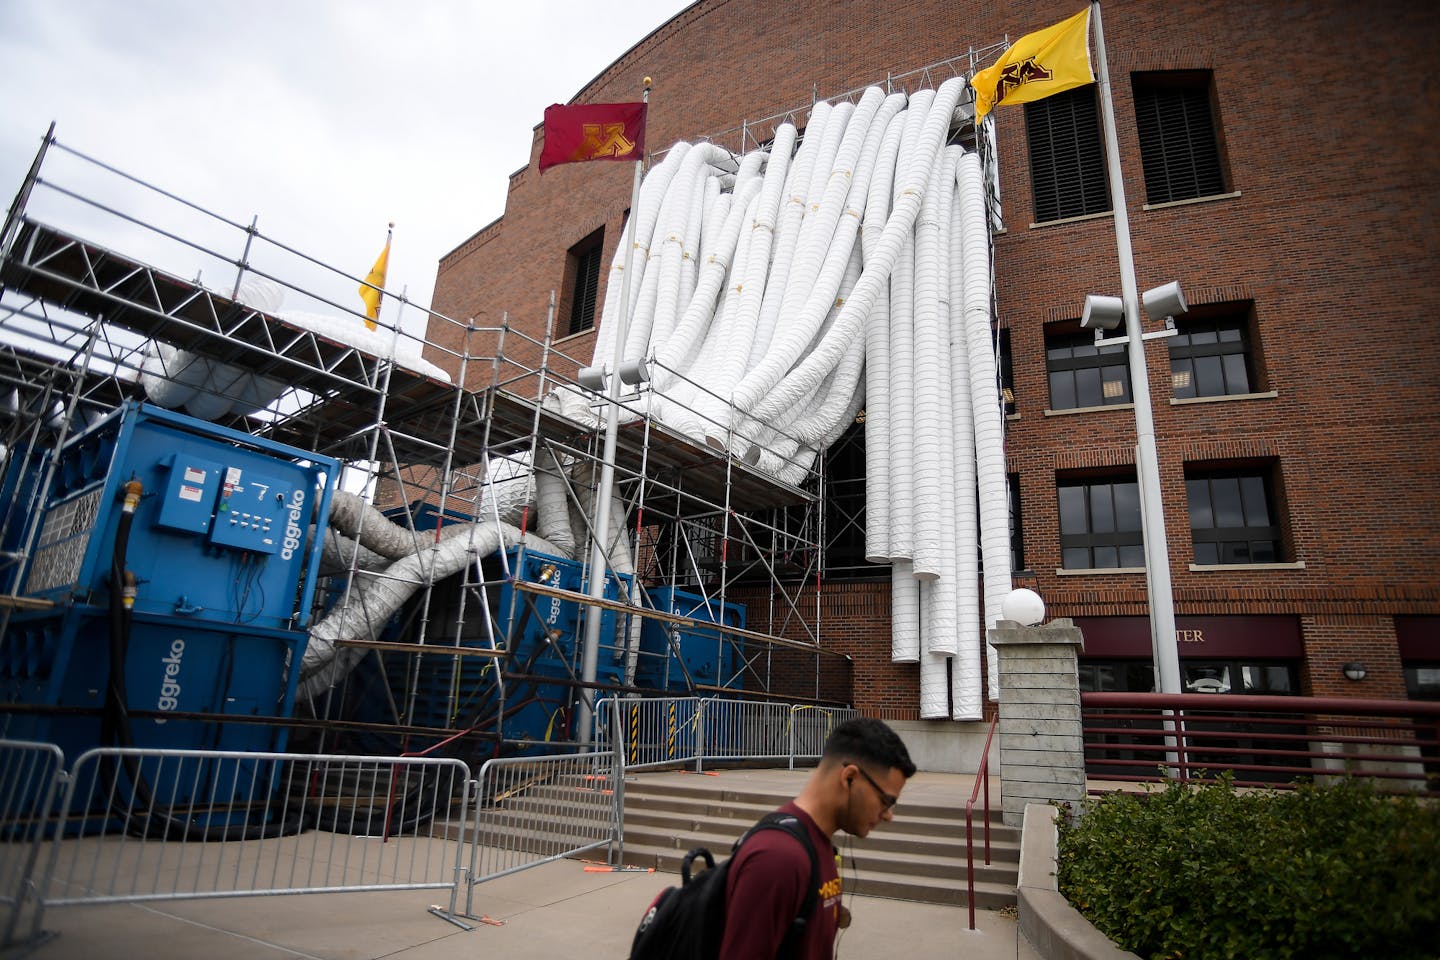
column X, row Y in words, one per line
column 887, row 800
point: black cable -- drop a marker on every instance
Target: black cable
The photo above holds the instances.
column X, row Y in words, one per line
column 115, row 722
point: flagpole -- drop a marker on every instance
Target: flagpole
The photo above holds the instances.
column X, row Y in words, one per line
column 1147, row 461
column 600, row 523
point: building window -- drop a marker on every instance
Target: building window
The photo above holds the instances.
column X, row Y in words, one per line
column 1007, row 372
column 1084, row 375
column 1100, row 524
column 582, row 281
column 1178, row 145
column 1211, row 356
column 1067, row 157
column 1232, row 516
column 1017, row 539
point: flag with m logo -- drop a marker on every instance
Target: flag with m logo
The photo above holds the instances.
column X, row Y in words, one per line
column 1036, row 66
column 593, row 131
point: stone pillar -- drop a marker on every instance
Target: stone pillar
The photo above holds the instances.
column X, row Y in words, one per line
column 1042, row 755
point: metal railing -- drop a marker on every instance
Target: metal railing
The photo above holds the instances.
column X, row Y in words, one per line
column 29, row 778
column 133, row 825
column 652, row 732
column 1266, row 741
column 982, row 782
column 532, row 810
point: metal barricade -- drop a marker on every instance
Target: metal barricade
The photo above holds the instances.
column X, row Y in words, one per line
column 30, row 775
column 531, row 810
column 650, row 731
column 810, row 726
column 744, row 730
column 144, row 825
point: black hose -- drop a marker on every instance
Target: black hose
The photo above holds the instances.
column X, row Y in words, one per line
column 115, row 725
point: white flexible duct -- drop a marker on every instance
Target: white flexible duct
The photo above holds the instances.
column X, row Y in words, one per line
column 638, row 233
column 338, row 553
column 932, row 521
column 739, row 332
column 985, row 397
column 621, row 559
column 934, row 684
column 904, row 614
column 966, row 682
column 787, row 235
column 897, row 229
column 935, row 446
column 901, row 441
column 878, row 380
column 668, row 247
column 680, row 348
column 823, row 249
column 373, row 600
column 552, row 503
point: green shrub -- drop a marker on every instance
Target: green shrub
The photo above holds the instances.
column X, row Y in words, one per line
column 1208, row 872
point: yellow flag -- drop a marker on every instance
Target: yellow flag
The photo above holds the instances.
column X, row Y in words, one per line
column 1037, row 65
column 368, row 293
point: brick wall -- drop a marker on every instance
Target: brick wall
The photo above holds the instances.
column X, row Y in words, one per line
column 1330, row 231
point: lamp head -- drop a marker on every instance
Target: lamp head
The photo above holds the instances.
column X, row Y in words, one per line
column 592, row 378
column 1164, row 301
column 1102, row 313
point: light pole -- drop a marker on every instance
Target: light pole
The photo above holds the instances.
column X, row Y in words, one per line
column 1147, row 463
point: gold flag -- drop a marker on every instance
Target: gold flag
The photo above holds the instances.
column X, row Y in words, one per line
column 1037, row 65
column 376, row 278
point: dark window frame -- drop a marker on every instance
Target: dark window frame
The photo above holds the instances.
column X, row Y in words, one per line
column 1180, row 146
column 1068, row 176
column 1109, row 524
column 1017, row 527
column 1216, row 543
column 1232, row 356
column 580, row 304
column 1080, row 356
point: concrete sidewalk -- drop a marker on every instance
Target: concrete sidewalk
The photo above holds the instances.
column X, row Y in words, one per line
column 554, row 910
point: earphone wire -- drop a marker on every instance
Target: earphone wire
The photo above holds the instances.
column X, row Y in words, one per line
column 850, row 888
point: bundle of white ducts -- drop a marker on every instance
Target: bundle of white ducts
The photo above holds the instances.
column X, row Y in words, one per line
column 175, row 378
column 397, row 560
column 776, row 293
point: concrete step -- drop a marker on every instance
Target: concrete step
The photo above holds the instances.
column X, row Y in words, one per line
column 1004, row 841
column 920, row 856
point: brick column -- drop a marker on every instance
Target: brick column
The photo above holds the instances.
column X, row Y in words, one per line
column 1042, row 756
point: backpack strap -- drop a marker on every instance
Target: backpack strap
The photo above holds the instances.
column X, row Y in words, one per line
column 791, row 824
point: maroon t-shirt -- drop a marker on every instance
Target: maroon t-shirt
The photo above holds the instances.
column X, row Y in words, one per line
column 766, row 889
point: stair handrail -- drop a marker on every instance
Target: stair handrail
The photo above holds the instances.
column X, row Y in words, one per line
column 982, row 776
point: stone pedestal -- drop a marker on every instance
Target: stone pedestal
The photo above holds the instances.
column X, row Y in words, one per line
column 1042, row 754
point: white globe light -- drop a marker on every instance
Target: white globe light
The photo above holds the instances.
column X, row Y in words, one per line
column 1023, row 606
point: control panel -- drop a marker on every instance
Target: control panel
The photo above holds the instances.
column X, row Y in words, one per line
column 189, row 499
column 251, row 511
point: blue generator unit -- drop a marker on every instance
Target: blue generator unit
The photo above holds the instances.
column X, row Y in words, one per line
column 209, row 531
column 544, row 637
column 700, row 656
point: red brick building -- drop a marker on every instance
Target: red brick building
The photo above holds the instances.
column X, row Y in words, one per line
column 1280, row 162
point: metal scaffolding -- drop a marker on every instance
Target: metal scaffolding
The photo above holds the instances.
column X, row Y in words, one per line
column 424, row 431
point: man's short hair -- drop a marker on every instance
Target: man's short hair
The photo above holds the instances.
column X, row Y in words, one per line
column 869, row 741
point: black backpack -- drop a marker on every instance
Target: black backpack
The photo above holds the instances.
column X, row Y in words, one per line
column 688, row 921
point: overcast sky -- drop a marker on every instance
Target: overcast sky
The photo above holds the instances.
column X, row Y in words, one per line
column 324, row 119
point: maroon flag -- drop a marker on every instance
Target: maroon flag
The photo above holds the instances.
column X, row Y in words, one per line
column 593, row 131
